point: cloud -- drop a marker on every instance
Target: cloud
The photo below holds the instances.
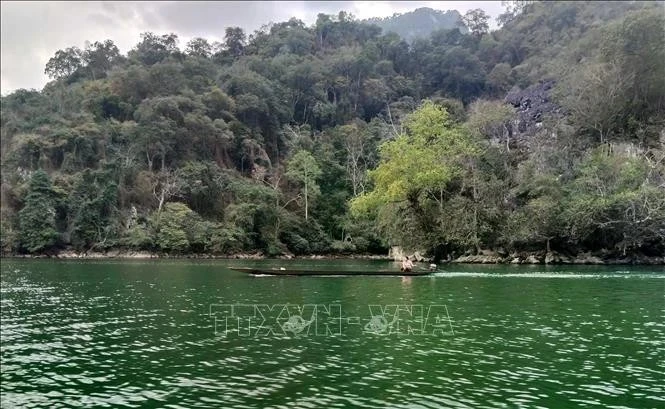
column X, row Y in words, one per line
column 31, row 32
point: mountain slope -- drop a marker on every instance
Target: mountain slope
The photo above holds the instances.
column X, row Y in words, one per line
column 264, row 143
column 419, row 23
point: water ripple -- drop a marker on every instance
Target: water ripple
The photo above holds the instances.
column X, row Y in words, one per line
column 88, row 335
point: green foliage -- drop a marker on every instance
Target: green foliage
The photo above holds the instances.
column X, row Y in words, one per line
column 615, row 201
column 64, row 63
column 416, row 168
column 155, row 48
column 303, row 236
column 491, row 120
column 199, row 47
column 37, row 217
column 426, row 158
column 335, row 137
column 476, row 21
column 540, row 219
column 100, row 57
column 92, row 207
column 174, row 227
column 303, row 169
column 9, row 239
column 138, row 237
column 226, row 240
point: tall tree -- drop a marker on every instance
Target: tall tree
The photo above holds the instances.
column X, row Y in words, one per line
column 356, row 145
column 595, row 96
column 37, row 218
column 64, row 63
column 199, row 47
column 235, row 41
column 100, row 57
column 92, row 204
column 303, row 169
column 476, row 21
column 155, row 48
column 416, row 168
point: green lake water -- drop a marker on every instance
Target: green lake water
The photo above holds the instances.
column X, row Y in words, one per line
column 161, row 334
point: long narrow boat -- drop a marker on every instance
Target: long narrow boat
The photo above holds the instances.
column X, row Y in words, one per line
column 311, row 272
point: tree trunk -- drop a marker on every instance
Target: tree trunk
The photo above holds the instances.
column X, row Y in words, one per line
column 62, row 98
column 161, row 202
column 441, row 199
column 306, row 200
column 475, row 209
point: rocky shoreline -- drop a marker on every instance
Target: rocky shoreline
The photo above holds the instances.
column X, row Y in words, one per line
column 485, row 257
column 141, row 255
column 558, row 259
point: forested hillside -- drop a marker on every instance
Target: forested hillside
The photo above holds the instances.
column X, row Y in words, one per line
column 545, row 135
column 419, row 23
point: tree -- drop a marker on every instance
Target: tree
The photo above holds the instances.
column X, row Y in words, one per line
column 171, row 227
column 121, row 139
column 456, row 72
column 516, row 6
column 616, row 200
column 540, row 219
column 303, row 169
column 100, row 57
column 595, row 96
column 476, row 21
column 491, row 120
column 415, row 169
column 234, row 41
column 633, row 57
column 154, row 48
column 64, row 63
column 37, row 218
column 513, row 8
column 199, row 47
column 499, row 79
column 203, row 185
column 92, row 204
column 356, row 145
column 167, row 184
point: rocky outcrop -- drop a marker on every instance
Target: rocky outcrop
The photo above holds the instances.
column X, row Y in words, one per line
column 586, row 258
column 489, row 257
column 480, row 259
column 110, row 254
column 532, row 104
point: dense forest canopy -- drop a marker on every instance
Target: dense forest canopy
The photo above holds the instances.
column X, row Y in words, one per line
column 547, row 134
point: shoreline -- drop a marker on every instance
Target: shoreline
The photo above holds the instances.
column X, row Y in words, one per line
column 514, row 259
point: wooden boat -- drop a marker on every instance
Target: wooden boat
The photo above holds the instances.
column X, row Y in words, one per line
column 312, row 272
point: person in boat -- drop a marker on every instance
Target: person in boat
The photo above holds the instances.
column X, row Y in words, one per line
column 407, row 265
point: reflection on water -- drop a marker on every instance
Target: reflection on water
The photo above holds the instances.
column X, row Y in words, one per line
column 135, row 334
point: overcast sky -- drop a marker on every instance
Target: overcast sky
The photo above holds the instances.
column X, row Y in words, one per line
column 33, row 31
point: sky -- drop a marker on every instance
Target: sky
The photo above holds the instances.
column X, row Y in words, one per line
column 31, row 32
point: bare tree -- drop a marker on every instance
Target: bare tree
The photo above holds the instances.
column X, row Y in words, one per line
column 354, row 143
column 168, row 184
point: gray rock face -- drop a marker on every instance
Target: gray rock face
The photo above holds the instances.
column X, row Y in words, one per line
column 532, row 104
column 556, row 258
column 532, row 259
